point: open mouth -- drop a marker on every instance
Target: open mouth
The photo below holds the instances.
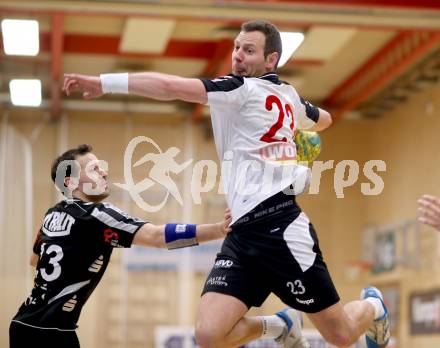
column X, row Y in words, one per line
column 103, row 184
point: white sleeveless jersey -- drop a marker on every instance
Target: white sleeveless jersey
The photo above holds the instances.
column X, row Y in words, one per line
column 253, row 121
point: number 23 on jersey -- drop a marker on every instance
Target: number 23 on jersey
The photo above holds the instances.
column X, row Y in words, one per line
column 270, row 136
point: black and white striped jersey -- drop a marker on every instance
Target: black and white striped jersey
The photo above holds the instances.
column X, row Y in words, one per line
column 74, row 246
column 253, row 121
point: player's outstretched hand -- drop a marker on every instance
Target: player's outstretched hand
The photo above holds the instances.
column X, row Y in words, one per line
column 89, row 86
column 225, row 229
column 429, row 211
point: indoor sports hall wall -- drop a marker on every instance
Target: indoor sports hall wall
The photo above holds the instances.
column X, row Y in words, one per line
column 15, row 220
column 408, row 140
column 127, row 306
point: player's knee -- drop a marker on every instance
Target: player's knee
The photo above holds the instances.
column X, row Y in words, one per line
column 207, row 338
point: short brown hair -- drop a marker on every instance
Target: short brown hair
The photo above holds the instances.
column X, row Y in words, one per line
column 69, row 155
column 270, row 31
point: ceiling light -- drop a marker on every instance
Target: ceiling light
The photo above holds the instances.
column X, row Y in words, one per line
column 25, row 92
column 290, row 42
column 20, row 37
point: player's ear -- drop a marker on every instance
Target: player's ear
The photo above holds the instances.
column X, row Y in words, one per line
column 271, row 60
column 71, row 183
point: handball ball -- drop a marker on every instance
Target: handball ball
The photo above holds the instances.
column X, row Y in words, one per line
column 308, row 146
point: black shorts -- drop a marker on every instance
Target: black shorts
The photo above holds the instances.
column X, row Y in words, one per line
column 22, row 336
column 273, row 248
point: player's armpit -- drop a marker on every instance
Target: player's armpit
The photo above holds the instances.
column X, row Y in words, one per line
column 324, row 121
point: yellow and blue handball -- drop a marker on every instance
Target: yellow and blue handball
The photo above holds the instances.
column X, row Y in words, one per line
column 308, row 146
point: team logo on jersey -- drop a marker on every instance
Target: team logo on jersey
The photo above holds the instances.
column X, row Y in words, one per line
column 279, row 152
column 111, row 237
column 57, row 224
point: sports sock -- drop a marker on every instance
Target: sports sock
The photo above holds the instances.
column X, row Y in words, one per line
column 273, row 326
column 379, row 311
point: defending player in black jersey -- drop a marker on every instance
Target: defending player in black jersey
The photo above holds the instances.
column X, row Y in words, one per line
column 74, row 245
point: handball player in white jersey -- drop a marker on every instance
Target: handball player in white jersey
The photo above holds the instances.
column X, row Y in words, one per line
column 273, row 247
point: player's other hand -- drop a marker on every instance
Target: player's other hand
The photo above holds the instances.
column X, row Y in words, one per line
column 224, row 226
column 89, row 86
column 429, row 211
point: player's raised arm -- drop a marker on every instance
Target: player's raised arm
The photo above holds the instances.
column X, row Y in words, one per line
column 311, row 117
column 146, row 84
column 173, row 236
column 324, row 121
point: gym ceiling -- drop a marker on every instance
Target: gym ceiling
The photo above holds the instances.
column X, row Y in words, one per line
column 358, row 59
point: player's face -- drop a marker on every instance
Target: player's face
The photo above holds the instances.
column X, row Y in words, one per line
column 93, row 178
column 248, row 55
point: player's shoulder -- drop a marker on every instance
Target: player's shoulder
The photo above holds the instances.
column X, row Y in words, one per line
column 112, row 209
column 230, row 78
column 107, row 211
column 269, row 77
column 74, row 207
column 225, row 83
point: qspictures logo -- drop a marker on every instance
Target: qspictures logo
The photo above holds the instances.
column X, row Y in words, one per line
column 163, row 167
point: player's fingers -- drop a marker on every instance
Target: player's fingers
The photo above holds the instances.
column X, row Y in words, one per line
column 429, row 205
column 428, row 221
column 74, row 86
column 68, row 78
column 67, row 82
column 64, row 83
column 226, row 225
column 431, row 199
column 429, row 214
column 70, row 84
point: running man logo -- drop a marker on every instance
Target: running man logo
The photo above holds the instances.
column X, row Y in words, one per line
column 163, row 164
column 280, row 152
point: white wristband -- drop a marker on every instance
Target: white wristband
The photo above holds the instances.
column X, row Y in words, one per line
column 114, row 83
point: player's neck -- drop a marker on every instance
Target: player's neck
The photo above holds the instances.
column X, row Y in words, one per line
column 86, row 198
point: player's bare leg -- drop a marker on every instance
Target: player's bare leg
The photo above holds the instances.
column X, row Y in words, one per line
column 221, row 324
column 343, row 325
